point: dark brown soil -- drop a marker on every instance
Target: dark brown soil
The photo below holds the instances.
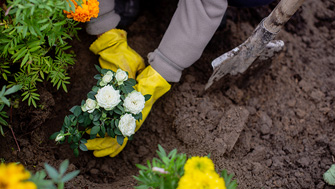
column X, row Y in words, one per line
column 278, row 132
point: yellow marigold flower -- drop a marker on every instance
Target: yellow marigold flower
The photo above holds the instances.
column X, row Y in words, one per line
column 202, row 164
column 89, row 9
column 208, row 180
column 13, row 176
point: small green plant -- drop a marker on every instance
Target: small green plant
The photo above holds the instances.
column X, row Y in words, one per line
column 174, row 170
column 58, row 178
column 230, row 184
column 4, row 101
column 164, row 172
column 34, row 45
column 329, row 175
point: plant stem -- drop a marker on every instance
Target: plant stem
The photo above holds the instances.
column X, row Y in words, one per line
column 10, row 117
column 61, row 185
column 17, row 144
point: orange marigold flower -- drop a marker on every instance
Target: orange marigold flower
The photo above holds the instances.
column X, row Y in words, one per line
column 89, row 9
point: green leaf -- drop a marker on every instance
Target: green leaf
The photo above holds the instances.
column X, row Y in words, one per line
column 138, row 116
column 91, row 95
column 95, row 130
column 84, row 141
column 5, row 100
column 1, row 131
column 60, row 23
column 95, row 89
column 2, row 93
column 141, row 166
column 228, row 182
column 118, row 111
column 103, row 129
column 102, row 134
column 45, row 26
column 147, row 97
column 72, row 6
column 63, row 167
column 97, row 76
column 83, row 147
column 119, row 139
column 98, row 68
column 76, row 152
column 25, row 59
column 20, row 54
column 117, row 131
column 120, row 108
column 112, row 124
column 77, row 111
column 161, row 151
column 42, row 21
column 52, row 172
column 87, row 121
column 70, row 176
column 96, row 116
column 81, row 119
column 67, row 121
column 128, row 88
column 329, row 175
column 104, row 71
column 130, row 82
column 110, row 132
column 13, row 89
column 53, row 136
column 116, row 123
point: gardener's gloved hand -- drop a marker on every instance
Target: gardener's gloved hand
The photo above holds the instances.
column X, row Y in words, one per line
column 115, row 53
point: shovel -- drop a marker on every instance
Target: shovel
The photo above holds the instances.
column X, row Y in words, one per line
column 258, row 45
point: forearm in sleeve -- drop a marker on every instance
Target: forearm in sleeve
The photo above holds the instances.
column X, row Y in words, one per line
column 191, row 28
column 107, row 18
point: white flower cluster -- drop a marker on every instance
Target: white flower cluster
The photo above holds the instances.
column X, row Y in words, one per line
column 108, row 98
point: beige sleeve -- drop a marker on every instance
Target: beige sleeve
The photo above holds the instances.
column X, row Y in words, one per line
column 107, row 18
column 191, row 28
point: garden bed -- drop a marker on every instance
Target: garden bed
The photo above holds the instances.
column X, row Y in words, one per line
column 287, row 114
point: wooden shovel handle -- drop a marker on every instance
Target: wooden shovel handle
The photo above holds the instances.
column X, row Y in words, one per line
column 281, row 14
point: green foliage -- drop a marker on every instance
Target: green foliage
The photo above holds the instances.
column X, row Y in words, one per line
column 100, row 121
column 230, row 184
column 166, row 171
column 172, row 164
column 329, row 175
column 4, row 101
column 58, row 178
column 33, row 42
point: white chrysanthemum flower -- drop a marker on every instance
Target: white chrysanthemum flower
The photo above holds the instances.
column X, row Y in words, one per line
column 106, row 78
column 121, row 76
column 134, row 102
column 89, row 106
column 108, row 97
column 127, row 125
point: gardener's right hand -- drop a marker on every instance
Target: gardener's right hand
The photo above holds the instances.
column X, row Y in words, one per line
column 115, row 53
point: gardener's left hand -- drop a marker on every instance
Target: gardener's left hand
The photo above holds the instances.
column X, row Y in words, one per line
column 115, row 53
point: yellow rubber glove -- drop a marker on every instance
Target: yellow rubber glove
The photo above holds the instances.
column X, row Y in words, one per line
column 115, row 53
column 148, row 82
